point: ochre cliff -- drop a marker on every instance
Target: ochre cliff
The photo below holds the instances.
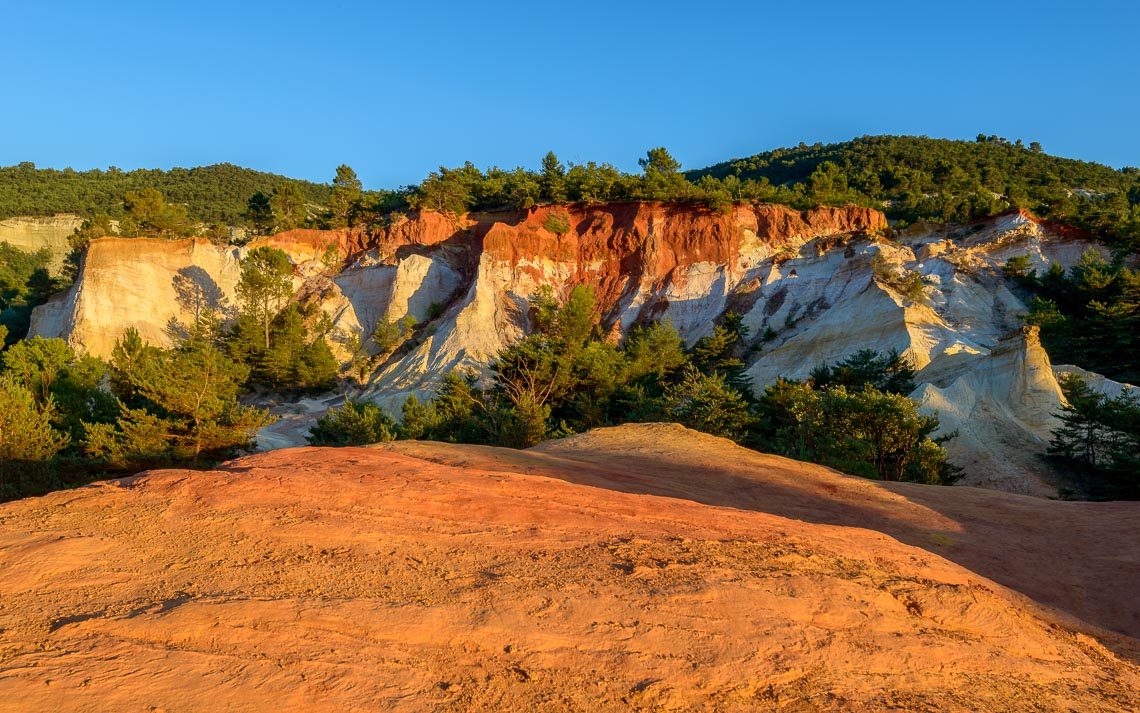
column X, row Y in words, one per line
column 132, row 282
column 34, row 233
column 808, row 285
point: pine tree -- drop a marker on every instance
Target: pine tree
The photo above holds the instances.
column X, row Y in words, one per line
column 1081, row 436
column 185, row 406
column 259, row 213
column 721, row 353
column 266, row 281
column 706, row 402
column 552, row 181
column 347, row 191
column 27, row 440
column 355, row 423
column 289, row 207
column 416, row 418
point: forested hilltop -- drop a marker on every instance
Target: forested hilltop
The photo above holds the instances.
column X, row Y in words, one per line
column 211, row 194
column 911, row 178
column 920, row 178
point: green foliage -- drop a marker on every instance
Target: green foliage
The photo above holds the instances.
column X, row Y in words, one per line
column 1089, row 315
column 25, row 282
column 706, row 402
column 67, row 385
column 353, row 424
column 210, row 194
column 1017, row 266
column 295, row 359
column 289, row 207
column 662, row 179
column 460, row 412
column 467, row 188
column 178, row 405
column 164, row 407
column 919, row 178
column 415, row 419
column 908, row 283
column 97, row 226
column 721, row 353
column 865, row 432
column 146, row 213
column 564, row 378
column 912, row 178
column 653, row 352
column 266, row 282
column 889, row 372
column 557, row 222
column 317, row 367
column 28, row 442
column 389, row 336
column 552, row 180
column 259, row 214
column 346, row 194
column 1100, row 436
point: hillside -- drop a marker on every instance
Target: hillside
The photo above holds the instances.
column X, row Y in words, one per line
column 923, row 178
column 211, row 194
column 604, row 572
column 912, row 177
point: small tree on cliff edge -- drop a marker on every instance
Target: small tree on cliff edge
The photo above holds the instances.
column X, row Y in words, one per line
column 266, row 282
column 659, row 160
column 552, row 182
column 347, row 190
column 663, row 179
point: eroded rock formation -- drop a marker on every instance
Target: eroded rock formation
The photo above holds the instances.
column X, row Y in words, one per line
column 812, row 287
column 34, row 233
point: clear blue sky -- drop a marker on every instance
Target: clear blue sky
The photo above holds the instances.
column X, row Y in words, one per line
column 395, row 89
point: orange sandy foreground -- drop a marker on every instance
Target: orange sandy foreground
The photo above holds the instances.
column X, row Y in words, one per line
column 641, row 567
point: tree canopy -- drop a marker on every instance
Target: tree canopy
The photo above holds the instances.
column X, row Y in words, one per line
column 920, row 178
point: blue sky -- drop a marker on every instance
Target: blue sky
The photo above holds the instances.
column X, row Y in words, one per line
column 397, row 89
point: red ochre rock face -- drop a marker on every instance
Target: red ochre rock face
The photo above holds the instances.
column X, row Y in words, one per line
column 606, row 243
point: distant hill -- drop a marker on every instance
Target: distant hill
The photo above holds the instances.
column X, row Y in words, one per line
column 911, row 177
column 917, row 177
column 211, row 194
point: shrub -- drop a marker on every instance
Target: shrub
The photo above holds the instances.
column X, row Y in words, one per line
column 906, row 282
column 557, row 222
column 28, row 443
column 355, row 423
column 705, row 402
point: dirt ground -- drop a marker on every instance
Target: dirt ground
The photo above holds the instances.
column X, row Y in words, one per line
column 634, row 568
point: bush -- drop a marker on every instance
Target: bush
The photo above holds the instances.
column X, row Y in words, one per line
column 706, row 403
column 864, row 432
column 557, row 222
column 28, row 443
column 906, row 282
column 353, row 424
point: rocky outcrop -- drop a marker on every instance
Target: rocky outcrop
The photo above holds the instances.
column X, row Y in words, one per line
column 148, row 285
column 812, row 287
column 1002, row 406
column 645, row 567
column 1108, row 387
column 643, row 260
column 34, row 233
